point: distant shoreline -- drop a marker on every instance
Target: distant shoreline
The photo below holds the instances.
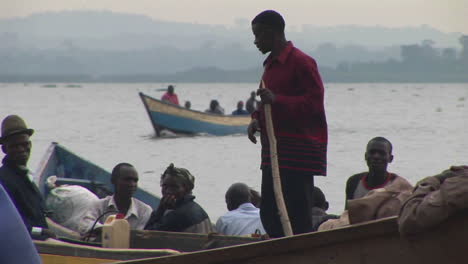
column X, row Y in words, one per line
column 333, row 78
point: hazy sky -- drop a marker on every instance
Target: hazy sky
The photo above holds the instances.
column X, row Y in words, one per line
column 446, row 15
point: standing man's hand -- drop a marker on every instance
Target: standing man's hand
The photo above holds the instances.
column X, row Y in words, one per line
column 267, row 96
column 252, row 129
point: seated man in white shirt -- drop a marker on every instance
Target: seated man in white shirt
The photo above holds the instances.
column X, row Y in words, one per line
column 124, row 178
column 243, row 217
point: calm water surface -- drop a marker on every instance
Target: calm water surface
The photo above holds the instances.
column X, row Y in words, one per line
column 107, row 124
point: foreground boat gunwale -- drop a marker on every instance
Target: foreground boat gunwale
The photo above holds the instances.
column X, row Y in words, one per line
column 278, row 246
column 371, row 242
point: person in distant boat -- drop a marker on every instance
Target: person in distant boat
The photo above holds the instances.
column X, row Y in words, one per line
column 16, row 177
column 215, row 108
column 170, row 96
column 434, row 200
column 319, row 209
column 251, row 103
column 124, row 177
column 188, row 104
column 294, row 89
column 378, row 155
column 240, row 109
column 177, row 211
column 243, row 217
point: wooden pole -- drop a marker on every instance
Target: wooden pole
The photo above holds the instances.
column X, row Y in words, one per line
column 282, row 211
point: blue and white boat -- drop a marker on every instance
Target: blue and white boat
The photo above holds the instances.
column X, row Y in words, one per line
column 186, row 121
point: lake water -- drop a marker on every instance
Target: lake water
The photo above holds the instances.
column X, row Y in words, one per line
column 107, row 124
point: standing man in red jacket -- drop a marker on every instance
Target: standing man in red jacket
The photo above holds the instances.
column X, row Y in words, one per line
column 294, row 89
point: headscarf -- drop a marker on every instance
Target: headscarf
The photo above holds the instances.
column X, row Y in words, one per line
column 182, row 174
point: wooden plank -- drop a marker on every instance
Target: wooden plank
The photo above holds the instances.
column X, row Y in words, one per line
column 56, row 259
column 186, row 242
column 67, row 249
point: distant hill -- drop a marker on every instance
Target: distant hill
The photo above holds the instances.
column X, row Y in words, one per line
column 108, row 30
column 106, row 46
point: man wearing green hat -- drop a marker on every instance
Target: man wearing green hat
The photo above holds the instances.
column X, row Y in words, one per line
column 14, row 175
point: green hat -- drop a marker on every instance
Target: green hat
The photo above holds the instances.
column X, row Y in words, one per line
column 14, row 125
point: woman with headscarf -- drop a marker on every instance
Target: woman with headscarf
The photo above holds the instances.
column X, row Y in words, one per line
column 177, row 211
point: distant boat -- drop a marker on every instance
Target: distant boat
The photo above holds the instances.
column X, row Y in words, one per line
column 186, row 121
column 72, row 169
column 49, row 86
column 73, row 86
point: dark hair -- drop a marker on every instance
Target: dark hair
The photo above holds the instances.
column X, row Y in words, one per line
column 383, row 140
column 185, row 177
column 270, row 18
column 116, row 171
column 237, row 194
column 318, row 198
column 214, row 104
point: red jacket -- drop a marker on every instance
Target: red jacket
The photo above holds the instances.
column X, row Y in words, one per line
column 298, row 112
column 172, row 98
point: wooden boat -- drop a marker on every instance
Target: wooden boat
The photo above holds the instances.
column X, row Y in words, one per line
column 181, row 120
column 72, row 169
column 372, row 242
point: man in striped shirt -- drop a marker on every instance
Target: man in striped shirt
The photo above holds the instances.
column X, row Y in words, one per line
column 294, row 89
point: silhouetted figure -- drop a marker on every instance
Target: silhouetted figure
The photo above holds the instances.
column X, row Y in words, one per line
column 170, row 96
column 187, row 104
column 251, row 104
column 240, row 109
column 319, row 209
column 215, row 108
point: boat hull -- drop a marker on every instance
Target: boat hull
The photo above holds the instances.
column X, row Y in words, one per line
column 72, row 169
column 373, row 242
column 181, row 120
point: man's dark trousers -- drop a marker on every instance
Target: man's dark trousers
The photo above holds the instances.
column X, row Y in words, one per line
column 297, row 192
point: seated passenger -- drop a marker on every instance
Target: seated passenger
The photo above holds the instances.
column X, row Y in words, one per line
column 124, row 177
column 215, row 108
column 434, row 200
column 16, row 178
column 252, row 104
column 378, row 155
column 240, row 109
column 177, row 211
column 375, row 194
column 243, row 217
column 319, row 209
